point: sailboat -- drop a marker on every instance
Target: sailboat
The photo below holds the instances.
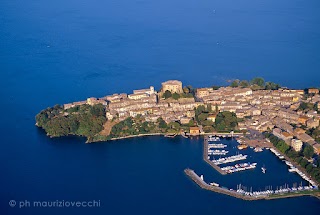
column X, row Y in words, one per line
column 263, row 169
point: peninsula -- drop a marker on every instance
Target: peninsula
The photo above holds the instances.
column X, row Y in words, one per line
column 287, row 119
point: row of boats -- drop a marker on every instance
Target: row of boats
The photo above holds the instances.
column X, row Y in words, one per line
column 213, row 139
column 279, row 191
column 292, row 168
column 217, row 145
column 229, row 159
column 239, row 167
column 277, row 153
column 217, row 152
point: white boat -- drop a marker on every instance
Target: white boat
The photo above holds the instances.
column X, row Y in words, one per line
column 292, row 170
column 263, row 169
column 217, row 146
column 257, row 149
column 213, row 139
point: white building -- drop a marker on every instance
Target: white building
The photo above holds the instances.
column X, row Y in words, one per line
column 149, row 91
column 296, row 145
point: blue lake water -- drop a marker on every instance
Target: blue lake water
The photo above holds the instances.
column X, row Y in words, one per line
column 62, row 51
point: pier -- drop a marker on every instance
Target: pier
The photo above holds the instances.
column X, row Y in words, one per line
column 206, row 159
column 250, row 196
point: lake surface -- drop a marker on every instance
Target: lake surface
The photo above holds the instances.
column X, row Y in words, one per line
column 62, row 51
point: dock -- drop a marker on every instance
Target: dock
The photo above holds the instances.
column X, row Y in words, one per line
column 205, row 158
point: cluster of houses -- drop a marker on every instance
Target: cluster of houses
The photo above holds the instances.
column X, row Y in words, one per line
column 262, row 110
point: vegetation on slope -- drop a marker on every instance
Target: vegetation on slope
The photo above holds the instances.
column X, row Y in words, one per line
column 225, row 121
column 84, row 120
column 255, row 84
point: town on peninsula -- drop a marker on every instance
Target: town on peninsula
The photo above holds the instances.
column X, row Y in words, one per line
column 282, row 119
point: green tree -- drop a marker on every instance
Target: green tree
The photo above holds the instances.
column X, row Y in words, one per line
column 226, row 121
column 97, row 110
column 215, row 87
column 244, row 83
column 306, row 106
column 42, row 118
column 175, row 96
column 202, row 117
column 83, row 120
column 175, row 126
column 258, row 81
column 167, row 94
column 162, row 123
column 303, row 163
column 200, row 109
column 234, row 83
column 272, row 86
column 308, row 151
column 191, row 123
column 208, row 129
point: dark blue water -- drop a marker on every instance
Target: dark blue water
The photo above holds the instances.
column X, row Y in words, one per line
column 61, row 51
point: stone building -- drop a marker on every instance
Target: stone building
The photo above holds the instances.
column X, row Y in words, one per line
column 173, row 86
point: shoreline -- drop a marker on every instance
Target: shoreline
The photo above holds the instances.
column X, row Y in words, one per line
column 164, row 134
column 137, row 135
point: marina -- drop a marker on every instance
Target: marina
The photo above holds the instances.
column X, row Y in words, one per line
column 214, row 155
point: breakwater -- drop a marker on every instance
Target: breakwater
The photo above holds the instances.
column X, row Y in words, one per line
column 204, row 185
column 242, row 195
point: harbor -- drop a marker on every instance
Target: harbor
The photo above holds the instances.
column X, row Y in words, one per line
column 216, row 152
